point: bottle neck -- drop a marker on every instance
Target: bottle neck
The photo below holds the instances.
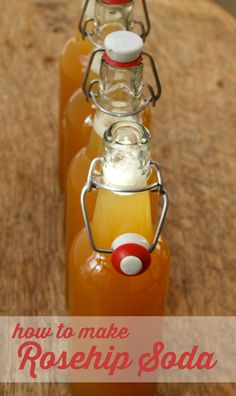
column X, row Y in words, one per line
column 109, row 18
column 120, row 89
column 126, row 155
column 101, row 122
column 126, row 165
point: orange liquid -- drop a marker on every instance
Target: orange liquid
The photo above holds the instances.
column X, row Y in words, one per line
column 97, row 289
column 73, row 62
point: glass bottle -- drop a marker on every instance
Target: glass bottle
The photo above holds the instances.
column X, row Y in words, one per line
column 103, row 283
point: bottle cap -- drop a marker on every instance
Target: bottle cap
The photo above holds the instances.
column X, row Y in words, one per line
column 123, row 47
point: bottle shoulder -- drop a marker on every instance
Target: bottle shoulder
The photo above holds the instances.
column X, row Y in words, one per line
column 76, row 43
column 72, row 41
column 74, row 58
column 78, row 163
column 78, row 109
column 76, row 100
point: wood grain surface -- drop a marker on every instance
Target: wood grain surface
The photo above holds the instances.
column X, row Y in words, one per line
column 194, row 140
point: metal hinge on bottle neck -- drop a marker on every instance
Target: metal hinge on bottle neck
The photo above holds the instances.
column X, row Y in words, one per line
column 154, row 93
column 83, row 24
column 93, row 184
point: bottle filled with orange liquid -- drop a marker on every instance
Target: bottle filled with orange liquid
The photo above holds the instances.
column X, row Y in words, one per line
column 103, row 17
column 120, row 96
column 119, row 264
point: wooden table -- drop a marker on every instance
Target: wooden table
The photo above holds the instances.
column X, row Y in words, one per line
column 194, row 137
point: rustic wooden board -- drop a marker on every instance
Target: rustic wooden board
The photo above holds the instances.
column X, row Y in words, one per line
column 194, row 138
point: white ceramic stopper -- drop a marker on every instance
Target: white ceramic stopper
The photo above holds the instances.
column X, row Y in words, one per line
column 123, row 46
column 130, row 238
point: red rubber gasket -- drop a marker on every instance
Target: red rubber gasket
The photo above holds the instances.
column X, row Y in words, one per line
column 123, row 65
column 116, row 1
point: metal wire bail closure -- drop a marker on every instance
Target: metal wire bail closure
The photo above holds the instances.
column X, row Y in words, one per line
column 144, row 30
column 87, row 90
column 93, row 184
column 83, row 24
column 155, row 94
